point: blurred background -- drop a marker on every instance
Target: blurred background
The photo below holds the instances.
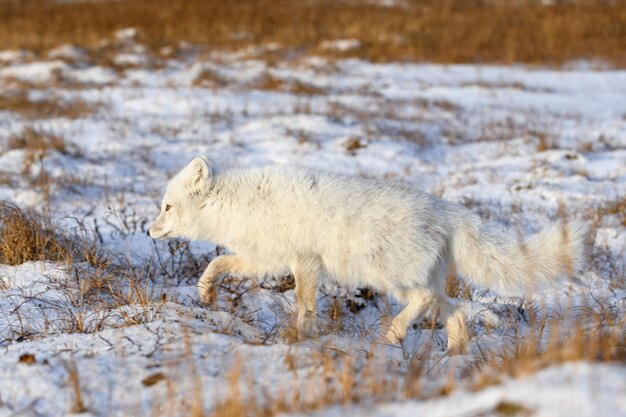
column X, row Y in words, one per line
column 448, row 31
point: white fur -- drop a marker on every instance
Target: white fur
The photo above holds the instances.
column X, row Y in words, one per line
column 386, row 235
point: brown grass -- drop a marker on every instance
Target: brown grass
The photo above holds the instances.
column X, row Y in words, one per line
column 603, row 339
column 73, row 380
column 17, row 101
column 36, row 145
column 210, row 79
column 348, row 380
column 26, row 236
column 96, row 281
column 431, row 30
column 456, row 288
column 268, row 82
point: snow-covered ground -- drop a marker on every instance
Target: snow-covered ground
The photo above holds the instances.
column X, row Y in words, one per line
column 512, row 143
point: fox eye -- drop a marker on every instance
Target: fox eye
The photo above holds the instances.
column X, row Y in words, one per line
column 167, row 207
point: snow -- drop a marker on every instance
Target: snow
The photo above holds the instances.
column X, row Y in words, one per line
column 510, row 142
column 35, row 72
column 575, row 389
column 13, row 56
column 93, row 75
column 130, row 60
column 127, row 34
column 68, row 52
column 340, row 45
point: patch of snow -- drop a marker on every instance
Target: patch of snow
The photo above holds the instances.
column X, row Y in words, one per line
column 128, row 34
column 36, row 72
column 13, row 56
column 68, row 52
column 93, row 75
column 340, row 45
column 130, row 59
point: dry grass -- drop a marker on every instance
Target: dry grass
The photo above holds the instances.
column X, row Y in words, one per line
column 457, row 288
column 338, row 371
column 210, row 79
column 351, row 380
column 37, row 145
column 268, row 82
column 598, row 338
column 439, row 31
column 95, row 282
column 27, row 236
column 17, row 101
column 73, row 380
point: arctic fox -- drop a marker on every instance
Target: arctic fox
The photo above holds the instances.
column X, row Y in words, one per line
column 361, row 232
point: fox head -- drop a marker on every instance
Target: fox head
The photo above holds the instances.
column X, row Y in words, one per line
column 182, row 201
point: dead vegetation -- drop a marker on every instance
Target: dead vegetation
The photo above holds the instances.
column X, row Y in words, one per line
column 209, row 78
column 596, row 335
column 269, row 82
column 37, row 145
column 27, row 236
column 18, row 101
column 362, row 379
column 73, row 380
column 457, row 288
column 438, row 31
column 94, row 282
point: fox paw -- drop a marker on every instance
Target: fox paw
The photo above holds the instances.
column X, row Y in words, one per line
column 208, row 296
column 393, row 338
column 308, row 329
column 455, row 349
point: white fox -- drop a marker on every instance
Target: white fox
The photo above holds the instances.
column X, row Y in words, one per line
column 386, row 235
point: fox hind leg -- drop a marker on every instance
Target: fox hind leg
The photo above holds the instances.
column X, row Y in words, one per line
column 447, row 309
column 306, row 270
column 420, row 299
column 451, row 314
column 454, row 318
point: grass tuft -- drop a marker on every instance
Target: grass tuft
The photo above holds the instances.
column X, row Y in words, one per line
column 26, row 236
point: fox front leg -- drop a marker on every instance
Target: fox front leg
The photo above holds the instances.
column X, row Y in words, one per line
column 207, row 290
column 220, row 266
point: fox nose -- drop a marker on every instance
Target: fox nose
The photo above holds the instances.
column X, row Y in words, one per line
column 148, row 233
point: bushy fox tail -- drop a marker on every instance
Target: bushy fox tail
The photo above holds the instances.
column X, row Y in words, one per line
column 511, row 266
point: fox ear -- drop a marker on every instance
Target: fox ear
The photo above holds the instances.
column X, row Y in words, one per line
column 198, row 172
